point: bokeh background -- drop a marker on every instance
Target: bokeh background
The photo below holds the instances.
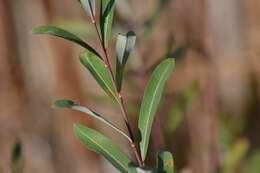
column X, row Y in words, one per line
column 209, row 117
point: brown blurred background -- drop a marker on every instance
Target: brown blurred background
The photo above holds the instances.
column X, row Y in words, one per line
column 209, row 117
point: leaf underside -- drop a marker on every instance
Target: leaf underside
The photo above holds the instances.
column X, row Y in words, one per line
column 89, row 6
column 71, row 105
column 124, row 45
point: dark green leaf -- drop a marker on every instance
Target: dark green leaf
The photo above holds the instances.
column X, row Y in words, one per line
column 106, row 19
column 16, row 165
column 98, row 143
column 63, row 103
column 165, row 162
column 96, row 67
column 55, row 31
column 124, row 46
column 71, row 105
column 89, row 6
column 151, row 100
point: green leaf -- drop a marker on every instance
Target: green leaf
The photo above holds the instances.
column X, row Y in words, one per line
column 89, row 6
column 71, row 105
column 151, row 100
column 55, row 31
column 235, row 156
column 106, row 19
column 165, row 162
column 98, row 143
column 96, row 67
column 252, row 163
column 124, row 46
column 16, row 164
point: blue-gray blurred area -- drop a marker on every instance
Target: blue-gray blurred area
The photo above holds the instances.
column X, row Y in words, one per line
column 210, row 113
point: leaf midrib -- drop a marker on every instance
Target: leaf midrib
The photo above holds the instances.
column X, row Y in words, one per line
column 107, row 152
column 150, row 108
column 91, row 64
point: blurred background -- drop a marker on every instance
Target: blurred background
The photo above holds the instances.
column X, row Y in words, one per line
column 210, row 113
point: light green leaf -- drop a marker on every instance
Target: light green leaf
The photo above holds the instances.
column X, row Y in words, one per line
column 106, row 19
column 98, row 143
column 89, row 6
column 124, row 45
column 165, row 163
column 151, row 100
column 55, row 31
column 96, row 67
column 235, row 156
column 71, row 105
column 252, row 163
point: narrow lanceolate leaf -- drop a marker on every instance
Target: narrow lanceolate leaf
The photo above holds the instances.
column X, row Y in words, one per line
column 89, row 6
column 151, row 100
column 58, row 32
column 124, row 45
column 98, row 143
column 106, row 19
column 165, row 163
column 97, row 68
column 71, row 105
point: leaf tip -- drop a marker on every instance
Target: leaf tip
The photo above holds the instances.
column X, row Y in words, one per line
column 63, row 104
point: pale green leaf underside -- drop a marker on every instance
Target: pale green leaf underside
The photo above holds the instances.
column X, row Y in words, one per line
column 106, row 19
column 58, row 32
column 71, row 105
column 89, row 6
column 165, row 163
column 151, row 100
column 96, row 67
column 124, row 45
column 100, row 144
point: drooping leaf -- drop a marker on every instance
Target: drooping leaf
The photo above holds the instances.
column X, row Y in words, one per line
column 96, row 67
column 71, row 105
column 78, row 27
column 106, row 19
column 89, row 6
column 100, row 144
column 124, row 46
column 151, row 100
column 55, row 31
column 165, row 163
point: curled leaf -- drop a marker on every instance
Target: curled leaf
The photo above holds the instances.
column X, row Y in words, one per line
column 89, row 6
column 124, row 45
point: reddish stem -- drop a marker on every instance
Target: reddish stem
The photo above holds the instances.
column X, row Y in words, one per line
column 120, row 96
